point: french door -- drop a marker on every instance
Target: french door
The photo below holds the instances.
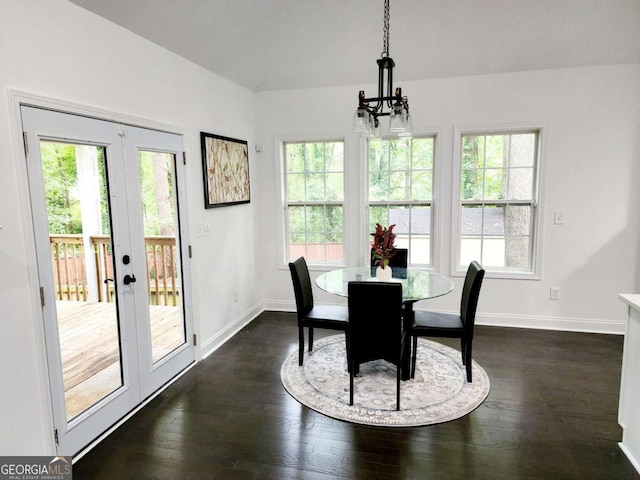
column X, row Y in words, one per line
column 107, row 205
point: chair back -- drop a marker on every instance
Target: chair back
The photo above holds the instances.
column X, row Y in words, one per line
column 400, row 259
column 470, row 294
column 301, row 286
column 375, row 321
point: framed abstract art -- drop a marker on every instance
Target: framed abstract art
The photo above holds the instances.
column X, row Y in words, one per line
column 225, row 166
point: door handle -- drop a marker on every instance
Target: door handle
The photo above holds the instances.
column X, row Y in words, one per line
column 129, row 279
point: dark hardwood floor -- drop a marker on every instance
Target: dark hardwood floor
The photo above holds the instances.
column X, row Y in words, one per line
column 551, row 413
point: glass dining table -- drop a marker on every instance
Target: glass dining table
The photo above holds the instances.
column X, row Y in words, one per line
column 417, row 284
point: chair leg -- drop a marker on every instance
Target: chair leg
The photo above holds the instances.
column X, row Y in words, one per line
column 351, row 383
column 415, row 353
column 398, row 386
column 468, row 359
column 300, row 345
column 346, row 338
column 310, row 338
column 463, row 350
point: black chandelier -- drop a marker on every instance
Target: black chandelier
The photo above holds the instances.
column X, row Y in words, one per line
column 366, row 119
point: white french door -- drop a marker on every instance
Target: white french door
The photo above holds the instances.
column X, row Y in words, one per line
column 108, row 211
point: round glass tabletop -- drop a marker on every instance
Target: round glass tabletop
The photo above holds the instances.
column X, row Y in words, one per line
column 417, row 284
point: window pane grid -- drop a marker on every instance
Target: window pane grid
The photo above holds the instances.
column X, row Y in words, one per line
column 401, row 192
column 315, row 194
column 497, row 200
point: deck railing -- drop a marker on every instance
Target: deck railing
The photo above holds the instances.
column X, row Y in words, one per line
column 69, row 273
column 74, row 283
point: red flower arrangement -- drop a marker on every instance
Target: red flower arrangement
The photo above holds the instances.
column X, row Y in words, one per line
column 383, row 245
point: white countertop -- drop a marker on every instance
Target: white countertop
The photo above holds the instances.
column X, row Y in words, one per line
column 631, row 299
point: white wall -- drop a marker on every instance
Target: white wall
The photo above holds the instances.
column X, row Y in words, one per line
column 591, row 172
column 55, row 49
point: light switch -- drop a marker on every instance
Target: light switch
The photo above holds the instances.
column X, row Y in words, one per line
column 558, row 218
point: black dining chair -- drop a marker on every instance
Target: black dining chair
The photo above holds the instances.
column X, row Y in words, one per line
column 400, row 259
column 449, row 325
column 375, row 327
column 334, row 317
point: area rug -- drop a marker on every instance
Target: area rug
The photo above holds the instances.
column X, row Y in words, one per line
column 438, row 393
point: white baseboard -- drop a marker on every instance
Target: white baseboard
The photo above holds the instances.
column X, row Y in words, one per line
column 632, row 459
column 211, row 344
column 279, row 306
column 586, row 325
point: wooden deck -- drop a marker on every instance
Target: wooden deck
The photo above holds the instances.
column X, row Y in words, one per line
column 90, row 348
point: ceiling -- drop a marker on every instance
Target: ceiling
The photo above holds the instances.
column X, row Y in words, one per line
column 286, row 44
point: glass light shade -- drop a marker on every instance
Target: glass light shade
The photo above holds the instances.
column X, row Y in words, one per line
column 361, row 122
column 374, row 127
column 398, row 119
column 408, row 132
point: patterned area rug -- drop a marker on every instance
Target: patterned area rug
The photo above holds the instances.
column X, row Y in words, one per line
column 438, row 393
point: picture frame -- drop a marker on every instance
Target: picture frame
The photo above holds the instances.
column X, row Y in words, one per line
column 225, row 170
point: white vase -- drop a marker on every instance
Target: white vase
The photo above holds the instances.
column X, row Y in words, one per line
column 383, row 274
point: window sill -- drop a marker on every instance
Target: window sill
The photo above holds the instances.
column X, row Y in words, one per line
column 502, row 274
column 317, row 267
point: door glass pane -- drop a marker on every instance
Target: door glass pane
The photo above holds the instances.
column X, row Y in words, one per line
column 80, row 236
column 160, row 218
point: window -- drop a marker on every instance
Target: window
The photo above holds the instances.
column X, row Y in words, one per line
column 498, row 188
column 314, row 182
column 401, row 192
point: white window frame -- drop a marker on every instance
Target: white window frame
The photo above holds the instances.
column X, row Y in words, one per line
column 283, row 227
column 431, row 203
column 536, row 237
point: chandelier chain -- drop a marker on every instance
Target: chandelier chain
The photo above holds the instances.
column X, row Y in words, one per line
column 385, row 45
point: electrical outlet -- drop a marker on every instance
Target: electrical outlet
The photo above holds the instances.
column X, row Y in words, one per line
column 235, row 296
column 199, row 229
column 554, row 293
column 207, row 229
